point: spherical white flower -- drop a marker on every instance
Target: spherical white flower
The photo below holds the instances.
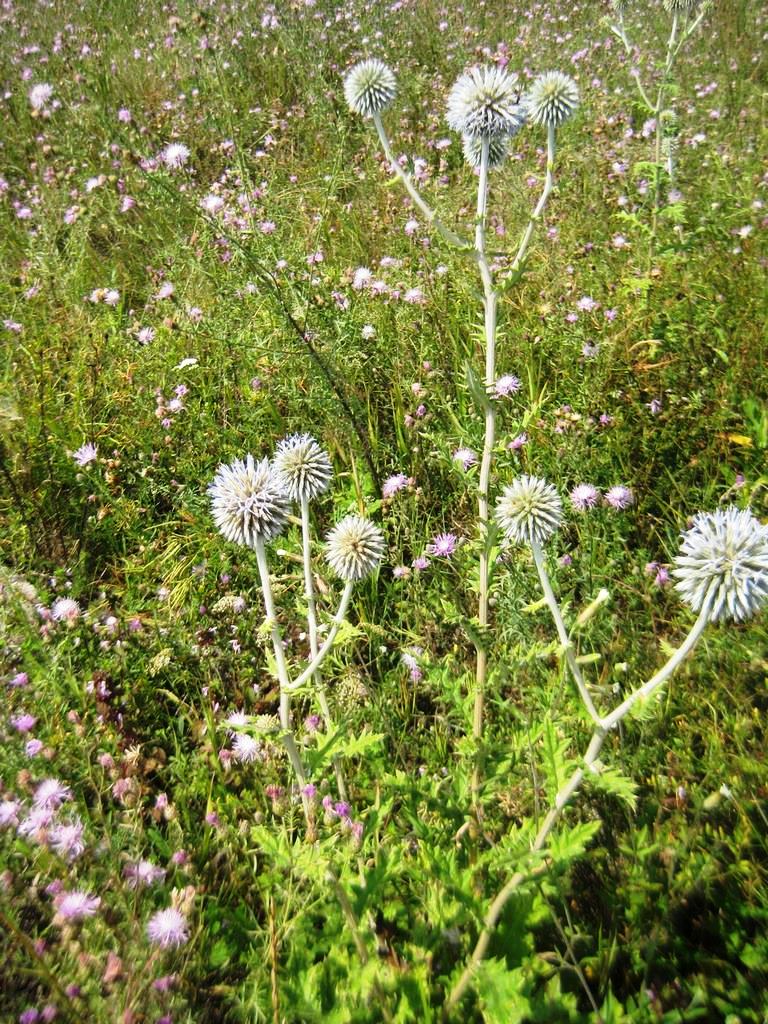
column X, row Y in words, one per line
column 168, row 928
column 724, row 558
column 354, row 548
column 498, row 147
column 247, row 502
column 369, row 87
column 552, row 99
column 529, row 510
column 485, row 101
column 301, row 467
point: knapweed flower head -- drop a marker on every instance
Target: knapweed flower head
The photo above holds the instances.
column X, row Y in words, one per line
column 724, row 560
column 39, row 95
column 354, row 548
column 552, row 99
column 65, row 609
column 485, row 102
column 369, row 87
column 584, row 497
column 302, row 468
column 619, row 497
column 175, row 155
column 247, row 501
column 529, row 510
column 498, row 147
column 75, row 905
column 168, row 928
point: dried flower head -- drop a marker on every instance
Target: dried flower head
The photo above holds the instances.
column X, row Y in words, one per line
column 552, row 99
column 485, row 102
column 369, row 87
column 498, row 147
column 724, row 559
column 247, row 501
column 529, row 510
column 302, row 468
column 354, row 548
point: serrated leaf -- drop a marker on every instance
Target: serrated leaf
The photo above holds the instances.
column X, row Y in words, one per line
column 609, row 780
column 570, row 843
column 476, row 389
column 501, row 993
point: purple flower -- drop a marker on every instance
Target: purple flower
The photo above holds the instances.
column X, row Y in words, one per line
column 167, row 928
column 518, row 442
column 465, row 456
column 619, row 497
column 23, row 723
column 29, row 1016
column 175, row 155
column 584, row 496
column 246, row 748
column 143, row 873
column 443, row 545
column 8, row 813
column 65, row 609
column 66, row 839
column 51, row 794
column 76, row 905
column 85, row 454
column 506, row 386
column 421, row 562
column 393, row 484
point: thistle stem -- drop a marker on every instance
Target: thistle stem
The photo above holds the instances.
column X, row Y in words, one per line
column 489, row 308
column 562, row 632
column 282, row 671
column 336, row 622
column 549, row 180
column 309, row 593
column 429, row 214
column 562, row 800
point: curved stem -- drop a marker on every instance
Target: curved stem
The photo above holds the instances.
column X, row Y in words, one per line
column 562, row 632
column 562, row 799
column 489, row 308
column 282, row 670
column 671, row 54
column 549, row 181
column 429, row 214
column 336, row 622
column 309, row 593
column 665, row 672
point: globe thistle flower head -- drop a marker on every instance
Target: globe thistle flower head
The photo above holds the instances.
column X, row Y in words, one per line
column 552, row 99
column 369, row 87
column 498, row 147
column 724, row 559
column 247, row 502
column 529, row 510
column 354, row 548
column 485, row 102
column 684, row 6
column 302, row 468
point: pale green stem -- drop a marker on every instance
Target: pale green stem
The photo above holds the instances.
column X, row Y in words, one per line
column 489, row 308
column 429, row 214
column 561, row 801
column 549, row 181
column 562, row 632
column 336, row 622
column 309, row 593
column 282, row 670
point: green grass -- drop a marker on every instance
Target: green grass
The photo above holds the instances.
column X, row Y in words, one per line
column 655, row 913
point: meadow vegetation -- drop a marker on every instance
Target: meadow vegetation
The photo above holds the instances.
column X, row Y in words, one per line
column 203, row 253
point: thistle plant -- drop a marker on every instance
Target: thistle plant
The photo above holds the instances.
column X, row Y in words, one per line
column 686, row 17
column 487, row 107
column 722, row 574
column 251, row 504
